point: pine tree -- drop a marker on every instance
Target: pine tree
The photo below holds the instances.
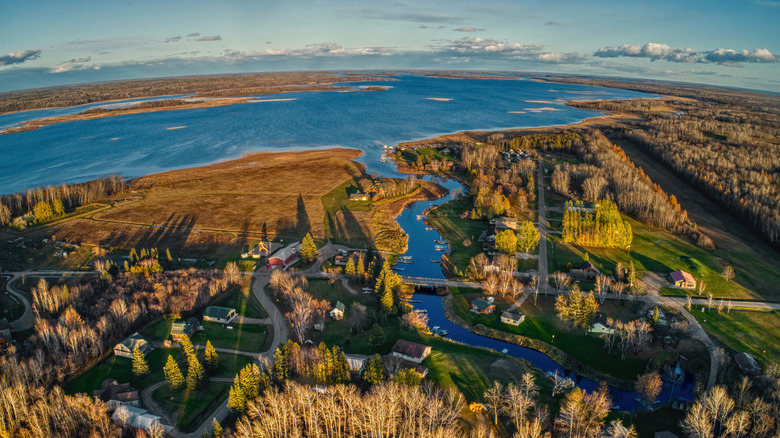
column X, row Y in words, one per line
column 211, row 358
column 186, row 346
column 361, row 267
column 374, row 371
column 308, row 250
column 170, row 259
column 340, row 372
column 236, row 398
column 216, row 429
column 322, row 372
column 386, row 300
column 280, row 363
column 140, row 366
column 377, row 337
column 195, row 372
column 249, row 378
column 349, row 270
column 173, row 373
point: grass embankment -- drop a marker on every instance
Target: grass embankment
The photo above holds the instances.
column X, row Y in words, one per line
column 363, row 223
column 213, row 211
column 462, row 234
column 757, row 333
column 190, row 406
column 655, row 251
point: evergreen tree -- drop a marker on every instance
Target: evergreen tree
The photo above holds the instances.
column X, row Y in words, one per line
column 173, row 373
column 386, row 300
column 374, row 371
column 377, row 337
column 280, row 363
column 216, row 429
column 211, row 358
column 170, row 259
column 195, row 372
column 349, row 270
column 249, row 378
column 340, row 372
column 308, row 250
column 654, row 316
column 186, row 346
column 408, row 377
column 323, row 370
column 361, row 268
column 236, row 398
column 140, row 366
column 506, row 241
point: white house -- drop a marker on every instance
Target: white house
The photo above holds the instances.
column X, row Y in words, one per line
column 410, row 351
column 513, row 318
column 337, row 313
column 136, row 417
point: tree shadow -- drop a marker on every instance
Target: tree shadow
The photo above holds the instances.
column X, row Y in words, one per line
column 650, row 264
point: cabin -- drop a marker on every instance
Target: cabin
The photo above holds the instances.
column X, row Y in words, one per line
column 747, row 363
column 136, row 417
column 356, row 362
column 587, row 271
column 483, row 305
column 284, row 257
column 512, row 318
column 219, row 314
column 179, row 329
column 411, row 351
column 260, row 250
column 116, row 394
column 337, row 313
column 682, row 280
column 126, row 347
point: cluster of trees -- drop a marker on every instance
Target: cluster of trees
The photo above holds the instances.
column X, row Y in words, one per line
column 603, row 227
column 248, row 384
column 304, row 309
column 498, row 275
column 630, row 337
column 577, row 309
column 42, row 204
column 525, row 239
column 747, row 408
column 388, row 409
column 196, row 373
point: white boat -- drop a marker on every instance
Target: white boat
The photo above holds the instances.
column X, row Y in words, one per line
column 428, row 229
column 441, row 248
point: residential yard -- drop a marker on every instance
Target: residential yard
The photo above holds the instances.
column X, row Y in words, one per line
column 757, row 333
column 189, row 407
column 242, row 337
column 462, row 234
column 244, row 301
column 12, row 307
column 657, row 251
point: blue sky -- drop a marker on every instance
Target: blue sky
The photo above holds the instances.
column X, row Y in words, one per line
column 733, row 43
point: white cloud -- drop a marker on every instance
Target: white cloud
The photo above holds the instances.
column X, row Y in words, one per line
column 19, row 57
column 559, row 57
column 659, row 51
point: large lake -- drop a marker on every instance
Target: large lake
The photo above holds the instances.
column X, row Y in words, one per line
column 135, row 145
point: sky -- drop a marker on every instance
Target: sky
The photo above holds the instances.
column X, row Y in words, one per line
column 732, row 43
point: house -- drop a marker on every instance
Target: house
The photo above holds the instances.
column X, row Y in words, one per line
column 260, row 250
column 186, row 328
column 747, row 363
column 136, row 417
column 285, row 256
column 600, row 328
column 219, row 314
column 358, row 196
column 513, row 318
column 319, row 326
column 337, row 313
column 411, row 351
column 117, row 394
column 356, row 362
column 682, row 280
column 481, row 305
column 587, row 271
column 126, row 347
column 504, row 223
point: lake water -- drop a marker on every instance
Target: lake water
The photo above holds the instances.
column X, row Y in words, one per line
column 139, row 144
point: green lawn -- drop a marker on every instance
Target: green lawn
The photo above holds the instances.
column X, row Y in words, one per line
column 189, row 406
column 338, row 199
column 542, row 323
column 242, row 337
column 160, row 330
column 244, row 301
column 12, row 306
column 458, row 232
column 757, row 333
column 657, row 251
column 323, row 290
column 120, row 368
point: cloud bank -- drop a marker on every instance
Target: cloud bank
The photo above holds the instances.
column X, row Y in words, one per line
column 659, row 51
column 19, row 57
column 468, row 29
column 210, row 38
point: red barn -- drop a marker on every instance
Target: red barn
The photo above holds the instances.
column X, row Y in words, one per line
column 284, row 256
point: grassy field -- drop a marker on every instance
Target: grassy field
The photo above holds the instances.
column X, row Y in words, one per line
column 189, row 406
column 244, row 301
column 242, row 337
column 458, row 232
column 213, row 211
column 656, row 251
column 758, row 333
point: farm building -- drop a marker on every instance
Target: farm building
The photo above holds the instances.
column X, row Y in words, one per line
column 180, row 329
column 126, row 347
column 260, row 250
column 285, row 256
column 682, row 280
column 483, row 305
column 337, row 313
column 513, row 318
column 117, row 394
column 411, row 351
column 219, row 314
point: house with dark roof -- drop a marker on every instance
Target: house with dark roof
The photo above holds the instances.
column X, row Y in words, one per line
column 117, row 394
column 411, row 351
column 186, row 328
column 504, row 223
column 587, row 271
column 513, row 318
column 682, row 280
column 482, row 305
column 126, row 347
column 219, row 314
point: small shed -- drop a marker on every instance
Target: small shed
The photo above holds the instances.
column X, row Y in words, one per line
column 513, row 318
column 337, row 313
